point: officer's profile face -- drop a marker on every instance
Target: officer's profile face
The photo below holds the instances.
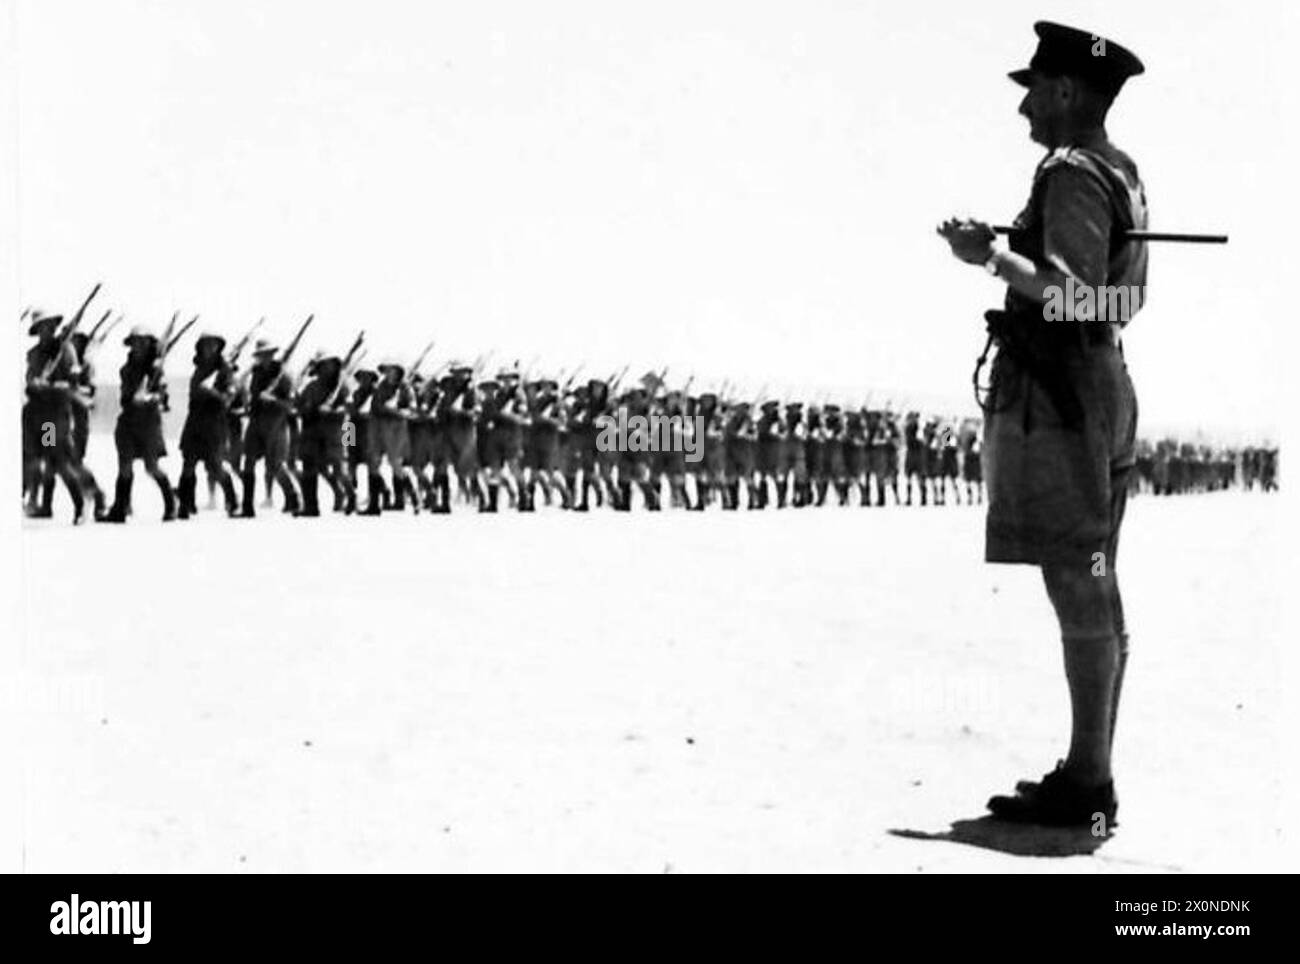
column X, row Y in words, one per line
column 1047, row 106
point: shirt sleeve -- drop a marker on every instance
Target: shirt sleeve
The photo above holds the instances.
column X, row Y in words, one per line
column 1077, row 224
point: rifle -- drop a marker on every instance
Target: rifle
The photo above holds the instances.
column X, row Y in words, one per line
column 415, row 366
column 243, row 342
column 66, row 336
column 171, row 326
column 112, row 325
column 572, row 375
column 616, row 379
column 350, row 362
column 98, row 325
column 177, row 337
column 293, row 345
column 165, row 346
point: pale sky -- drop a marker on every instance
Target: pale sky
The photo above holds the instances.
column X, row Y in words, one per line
column 744, row 190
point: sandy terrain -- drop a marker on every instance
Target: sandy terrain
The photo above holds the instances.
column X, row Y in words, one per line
column 829, row 690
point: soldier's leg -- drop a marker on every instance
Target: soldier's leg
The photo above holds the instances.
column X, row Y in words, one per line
column 122, row 489
column 155, row 472
column 219, row 477
column 187, row 487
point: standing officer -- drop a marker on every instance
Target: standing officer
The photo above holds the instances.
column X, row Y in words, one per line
column 1061, row 414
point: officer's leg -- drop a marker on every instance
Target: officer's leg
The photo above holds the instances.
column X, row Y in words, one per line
column 1084, row 605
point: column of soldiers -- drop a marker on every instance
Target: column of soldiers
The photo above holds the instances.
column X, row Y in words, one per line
column 386, row 438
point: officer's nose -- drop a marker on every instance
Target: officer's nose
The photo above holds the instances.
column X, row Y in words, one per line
column 1024, row 107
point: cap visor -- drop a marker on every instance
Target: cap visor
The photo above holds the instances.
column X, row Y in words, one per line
column 1025, row 77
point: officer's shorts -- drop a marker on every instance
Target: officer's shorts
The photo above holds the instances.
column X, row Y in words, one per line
column 1056, row 493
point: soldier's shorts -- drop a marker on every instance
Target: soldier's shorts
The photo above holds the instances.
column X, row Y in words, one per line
column 855, row 459
column 740, row 457
column 769, row 456
column 1057, row 493
column 423, row 435
column 204, row 436
column 47, row 431
column 267, row 437
column 542, row 450
column 914, row 464
column 496, row 447
column 877, row 461
column 139, row 434
column 321, row 441
column 456, row 447
column 948, row 463
column 390, row 438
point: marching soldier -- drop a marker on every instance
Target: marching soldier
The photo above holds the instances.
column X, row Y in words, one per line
column 323, row 405
column 49, row 445
column 914, row 460
column 389, row 437
column 205, row 437
column 139, row 433
column 456, row 438
column 770, row 457
column 270, row 399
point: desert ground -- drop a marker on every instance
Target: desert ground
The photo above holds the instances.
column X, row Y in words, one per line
column 818, row 690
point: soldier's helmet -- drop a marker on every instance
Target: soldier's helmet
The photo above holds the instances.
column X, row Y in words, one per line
column 327, row 358
column 41, row 321
column 391, row 364
column 210, row 336
column 771, row 406
column 507, row 375
column 139, row 333
column 263, row 347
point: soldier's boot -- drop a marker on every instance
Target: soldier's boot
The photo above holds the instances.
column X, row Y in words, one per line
column 310, row 493
column 922, row 487
column 412, row 483
column 228, row 492
column 97, row 498
column 349, row 495
column 248, row 480
column 183, row 487
column 443, row 485
column 494, row 496
column 781, row 494
column 701, row 495
column 292, row 502
column 527, row 491
column 46, row 509
column 121, row 499
column 584, row 505
column 374, row 503
column 399, row 492
column 168, row 496
column 385, row 494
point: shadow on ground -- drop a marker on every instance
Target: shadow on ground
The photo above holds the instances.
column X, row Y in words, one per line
column 1018, row 839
